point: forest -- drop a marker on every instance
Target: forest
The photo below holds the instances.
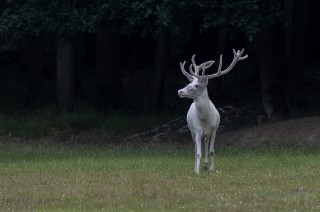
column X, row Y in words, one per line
column 110, row 55
column 91, row 119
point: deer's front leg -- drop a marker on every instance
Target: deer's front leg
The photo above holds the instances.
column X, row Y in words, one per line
column 197, row 141
column 213, row 136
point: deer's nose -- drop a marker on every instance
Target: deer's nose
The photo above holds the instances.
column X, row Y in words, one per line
column 180, row 91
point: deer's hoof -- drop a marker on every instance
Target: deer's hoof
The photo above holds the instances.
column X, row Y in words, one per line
column 211, row 170
column 205, row 167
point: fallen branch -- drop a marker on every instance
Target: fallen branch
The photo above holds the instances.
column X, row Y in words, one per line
column 178, row 125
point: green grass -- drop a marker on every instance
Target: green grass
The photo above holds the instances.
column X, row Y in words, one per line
column 155, row 177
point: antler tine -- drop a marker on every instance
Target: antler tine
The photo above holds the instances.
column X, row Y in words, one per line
column 237, row 55
column 197, row 68
column 203, row 72
column 191, row 71
column 206, row 65
column 240, row 53
column 220, row 64
column 189, row 76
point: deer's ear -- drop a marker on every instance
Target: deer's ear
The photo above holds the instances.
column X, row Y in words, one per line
column 204, row 80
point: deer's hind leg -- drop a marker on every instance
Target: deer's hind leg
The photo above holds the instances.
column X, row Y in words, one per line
column 206, row 147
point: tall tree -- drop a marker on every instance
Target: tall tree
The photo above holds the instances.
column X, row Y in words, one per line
column 159, row 70
column 21, row 25
column 24, row 19
column 270, row 50
column 295, row 62
column 158, row 19
column 110, row 26
column 33, row 59
column 65, row 73
column 108, row 71
column 67, row 18
column 261, row 21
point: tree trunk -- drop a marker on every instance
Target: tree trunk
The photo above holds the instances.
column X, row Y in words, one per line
column 270, row 49
column 108, row 72
column 221, row 49
column 159, row 70
column 65, row 74
column 80, row 51
column 32, row 57
column 295, row 62
column 312, row 44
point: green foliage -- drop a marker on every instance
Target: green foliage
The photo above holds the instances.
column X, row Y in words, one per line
column 248, row 16
column 19, row 22
column 70, row 17
column 152, row 16
column 137, row 17
column 22, row 19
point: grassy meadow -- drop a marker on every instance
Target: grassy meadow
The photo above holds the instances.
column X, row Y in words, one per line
column 45, row 176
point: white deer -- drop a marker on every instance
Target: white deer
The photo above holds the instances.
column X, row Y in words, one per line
column 203, row 118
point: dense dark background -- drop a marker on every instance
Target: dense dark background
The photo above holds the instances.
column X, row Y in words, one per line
column 125, row 54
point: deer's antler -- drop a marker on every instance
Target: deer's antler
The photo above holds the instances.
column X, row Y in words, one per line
column 237, row 56
column 196, row 68
column 202, row 66
column 184, row 72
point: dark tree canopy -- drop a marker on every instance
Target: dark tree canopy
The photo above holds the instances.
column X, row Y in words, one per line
column 170, row 26
column 24, row 18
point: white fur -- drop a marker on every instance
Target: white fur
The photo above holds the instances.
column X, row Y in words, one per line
column 203, row 121
column 203, row 118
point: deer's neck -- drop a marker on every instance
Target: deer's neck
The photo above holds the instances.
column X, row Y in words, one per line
column 202, row 104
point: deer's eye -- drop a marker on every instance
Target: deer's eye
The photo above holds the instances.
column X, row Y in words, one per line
column 197, row 86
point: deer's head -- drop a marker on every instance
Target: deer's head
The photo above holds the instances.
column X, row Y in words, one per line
column 198, row 83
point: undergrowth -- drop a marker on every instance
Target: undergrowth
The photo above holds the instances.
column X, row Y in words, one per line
column 42, row 123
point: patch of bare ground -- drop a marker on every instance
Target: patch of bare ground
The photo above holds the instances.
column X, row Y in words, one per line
column 294, row 132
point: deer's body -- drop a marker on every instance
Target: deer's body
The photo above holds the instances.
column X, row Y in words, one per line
column 203, row 121
column 203, row 118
